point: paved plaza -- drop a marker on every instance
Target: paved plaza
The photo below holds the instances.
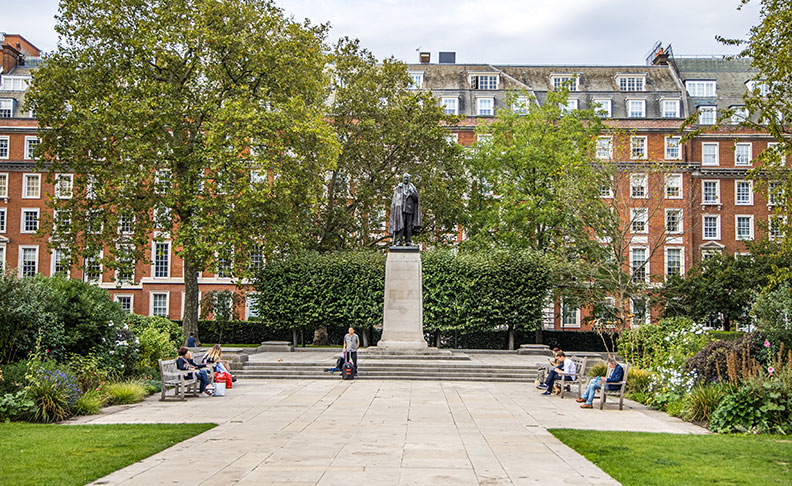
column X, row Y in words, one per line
column 377, row 432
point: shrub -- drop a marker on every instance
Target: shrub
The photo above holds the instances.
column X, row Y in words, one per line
column 703, row 401
column 124, row 393
column 669, row 343
column 157, row 338
column 25, row 313
column 599, row 369
column 759, row 406
column 12, row 377
column 89, row 370
column 54, row 393
column 15, row 405
column 90, row 403
column 638, row 380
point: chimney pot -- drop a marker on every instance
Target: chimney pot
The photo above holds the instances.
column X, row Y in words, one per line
column 425, row 57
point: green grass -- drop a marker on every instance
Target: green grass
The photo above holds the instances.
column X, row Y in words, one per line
column 640, row 458
column 77, row 454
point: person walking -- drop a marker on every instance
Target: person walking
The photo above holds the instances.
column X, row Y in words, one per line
column 351, row 344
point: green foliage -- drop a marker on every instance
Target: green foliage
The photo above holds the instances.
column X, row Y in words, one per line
column 726, row 335
column 158, row 338
column 124, row 393
column 89, row 371
column 12, row 377
column 221, row 305
column 639, row 380
column 90, row 403
column 669, row 343
column 599, row 369
column 773, row 309
column 15, row 405
column 760, row 406
column 53, row 391
column 703, row 401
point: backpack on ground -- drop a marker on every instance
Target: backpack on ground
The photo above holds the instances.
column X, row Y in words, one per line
column 347, row 370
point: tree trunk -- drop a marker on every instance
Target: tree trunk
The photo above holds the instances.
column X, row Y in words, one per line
column 365, row 334
column 726, row 324
column 190, row 318
column 437, row 338
column 294, row 337
column 511, row 337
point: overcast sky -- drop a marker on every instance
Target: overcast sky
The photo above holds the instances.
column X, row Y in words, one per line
column 493, row 31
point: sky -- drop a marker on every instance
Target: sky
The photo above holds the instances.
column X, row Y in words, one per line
column 591, row 32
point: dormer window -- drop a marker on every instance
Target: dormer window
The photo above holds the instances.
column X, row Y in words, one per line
column 568, row 81
column 760, row 88
column 6, row 108
column 700, row 88
column 416, row 79
column 631, row 83
column 484, row 81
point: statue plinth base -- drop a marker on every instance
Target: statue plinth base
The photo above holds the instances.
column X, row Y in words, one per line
column 402, row 324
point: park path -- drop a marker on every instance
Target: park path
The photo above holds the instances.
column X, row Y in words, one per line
column 377, row 432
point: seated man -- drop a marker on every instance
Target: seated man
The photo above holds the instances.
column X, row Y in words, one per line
column 568, row 370
column 185, row 362
column 615, row 375
column 541, row 373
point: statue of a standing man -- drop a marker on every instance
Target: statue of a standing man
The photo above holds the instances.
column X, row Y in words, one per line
column 405, row 214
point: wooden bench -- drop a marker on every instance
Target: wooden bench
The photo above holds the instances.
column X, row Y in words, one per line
column 171, row 376
column 576, row 379
column 604, row 392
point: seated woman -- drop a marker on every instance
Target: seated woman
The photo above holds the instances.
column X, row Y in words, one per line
column 185, row 363
column 214, row 356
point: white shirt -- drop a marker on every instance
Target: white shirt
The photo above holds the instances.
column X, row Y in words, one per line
column 569, row 367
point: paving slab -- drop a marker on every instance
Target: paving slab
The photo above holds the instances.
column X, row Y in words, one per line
column 379, row 432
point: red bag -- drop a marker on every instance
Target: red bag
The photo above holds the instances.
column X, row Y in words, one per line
column 229, row 379
column 226, row 377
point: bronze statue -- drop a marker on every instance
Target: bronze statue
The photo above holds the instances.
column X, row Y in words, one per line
column 405, row 214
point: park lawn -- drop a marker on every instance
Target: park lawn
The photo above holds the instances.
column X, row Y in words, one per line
column 78, row 454
column 647, row 459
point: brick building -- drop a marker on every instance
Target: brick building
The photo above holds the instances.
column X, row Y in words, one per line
column 697, row 204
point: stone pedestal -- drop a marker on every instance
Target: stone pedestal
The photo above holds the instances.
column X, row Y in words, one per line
column 402, row 325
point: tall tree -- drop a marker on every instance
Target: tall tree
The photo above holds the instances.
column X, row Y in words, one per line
column 385, row 128
column 200, row 119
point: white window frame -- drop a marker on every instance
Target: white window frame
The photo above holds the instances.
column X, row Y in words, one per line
column 58, row 189
column 28, row 155
column 737, row 227
column 771, row 233
column 600, row 105
column 681, row 259
column 717, row 192
column 25, row 193
column 645, row 147
column 101, row 269
column 631, row 79
column 681, row 225
column 775, row 191
column 739, row 114
column 708, row 115
column 739, row 145
column 629, row 106
column 608, row 194
column 749, row 184
column 131, row 298
column 669, row 177
column 2, row 257
column 770, row 146
column 22, row 249
column 9, row 102
column 7, row 145
column 488, row 88
column 54, row 261
column 605, row 152
column 647, row 310
column 701, row 88
column 664, row 112
column 154, row 259
column 520, row 105
column 446, row 108
column 571, row 105
column 491, row 109
column 576, row 325
column 717, row 154
column 668, row 146
column 248, row 301
column 3, row 219
column 636, row 177
column 717, row 227
column 646, row 262
column 416, row 79
column 166, row 293
column 569, row 81
column 22, row 228
column 639, row 215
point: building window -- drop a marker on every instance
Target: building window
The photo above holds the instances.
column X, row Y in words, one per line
column 159, row 304
column 775, row 227
column 256, row 257
column 4, row 185
column 126, row 224
column 224, row 265
column 258, row 176
column 699, row 89
column 31, row 143
column 673, row 186
column 3, row 147
column 606, row 190
column 745, row 230
column 3, row 220
column 638, row 183
column 743, row 193
column 63, row 186
column 520, row 105
column 59, row 263
column 416, row 80
column 640, row 311
column 14, row 83
column 30, row 220
column 636, row 108
column 776, row 154
column 674, row 261
column 639, row 219
column 28, row 264
column 161, row 259
column 742, row 154
column 570, row 315
column 61, row 221
column 673, row 150
column 125, row 302
column 710, row 192
column 6, row 108
column 251, row 306
column 2, row 258
column 602, row 107
column 604, row 148
column 92, row 269
column 631, row 83
column 669, row 108
column 637, row 147
column 709, row 153
column 708, row 115
column 450, row 106
column 452, row 138
column 31, row 186
column 487, row 82
column 775, row 193
column 673, row 219
column 568, row 81
column 485, row 106
column 571, row 105
column 739, row 114
column 639, row 265
column 162, row 181
column 711, row 227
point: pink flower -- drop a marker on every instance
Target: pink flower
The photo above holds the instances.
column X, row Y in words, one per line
column 767, row 343
column 770, row 371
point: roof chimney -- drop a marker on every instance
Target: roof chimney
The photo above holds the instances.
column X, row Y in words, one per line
column 425, row 57
column 661, row 58
column 447, row 58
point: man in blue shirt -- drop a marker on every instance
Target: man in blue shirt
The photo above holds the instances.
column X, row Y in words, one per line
column 616, row 375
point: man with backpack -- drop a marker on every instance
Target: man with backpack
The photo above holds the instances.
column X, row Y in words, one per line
column 351, row 344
